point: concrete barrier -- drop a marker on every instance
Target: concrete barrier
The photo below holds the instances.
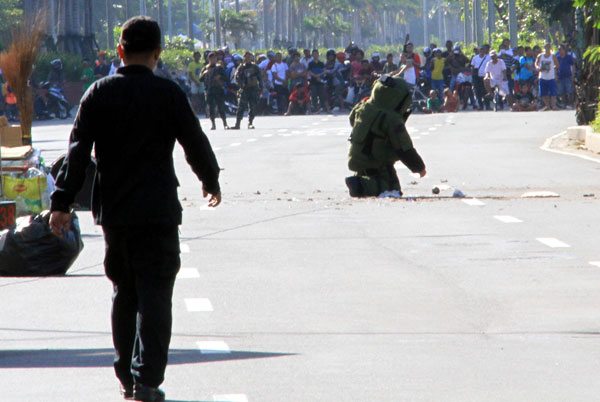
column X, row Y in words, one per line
column 592, row 140
column 577, row 133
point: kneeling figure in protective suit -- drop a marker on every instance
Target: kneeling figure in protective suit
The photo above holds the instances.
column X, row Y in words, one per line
column 379, row 139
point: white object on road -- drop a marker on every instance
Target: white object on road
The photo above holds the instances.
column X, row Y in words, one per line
column 213, row 347
column 507, row 219
column 474, row 202
column 198, row 305
column 552, row 242
column 595, row 263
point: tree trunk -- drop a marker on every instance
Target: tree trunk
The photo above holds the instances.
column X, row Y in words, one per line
column 217, row 23
column 190, row 19
column 160, row 11
column 266, row 25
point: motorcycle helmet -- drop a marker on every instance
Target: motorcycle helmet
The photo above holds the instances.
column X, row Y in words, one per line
column 330, row 52
column 427, row 51
column 56, row 64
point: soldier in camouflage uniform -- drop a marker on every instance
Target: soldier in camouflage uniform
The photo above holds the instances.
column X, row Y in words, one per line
column 379, row 139
column 214, row 79
column 248, row 77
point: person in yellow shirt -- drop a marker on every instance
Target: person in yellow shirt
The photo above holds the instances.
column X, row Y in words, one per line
column 437, row 72
column 197, row 87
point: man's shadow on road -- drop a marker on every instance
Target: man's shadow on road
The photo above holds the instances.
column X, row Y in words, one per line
column 62, row 358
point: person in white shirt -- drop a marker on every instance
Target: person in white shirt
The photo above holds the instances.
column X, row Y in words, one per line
column 547, row 65
column 279, row 71
column 495, row 75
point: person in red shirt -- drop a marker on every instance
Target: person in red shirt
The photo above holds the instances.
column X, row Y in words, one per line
column 299, row 100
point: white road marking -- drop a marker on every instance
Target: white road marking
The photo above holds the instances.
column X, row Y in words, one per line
column 432, row 128
column 184, row 248
column 340, row 134
column 216, row 149
column 282, row 130
column 199, row 304
column 416, row 137
column 552, row 242
column 235, row 144
column 438, row 125
column 206, row 208
column 230, row 398
column 548, row 143
column 595, row 263
column 507, row 219
column 315, row 124
column 251, row 140
column 284, row 135
column 474, row 202
column 188, row 273
column 213, row 347
column 425, row 133
column 267, row 135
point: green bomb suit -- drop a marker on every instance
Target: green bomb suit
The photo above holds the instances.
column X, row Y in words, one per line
column 379, row 139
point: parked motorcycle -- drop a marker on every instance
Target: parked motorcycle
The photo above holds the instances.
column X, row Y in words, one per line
column 55, row 102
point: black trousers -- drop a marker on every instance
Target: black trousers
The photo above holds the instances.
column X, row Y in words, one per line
column 142, row 263
column 215, row 98
column 480, row 92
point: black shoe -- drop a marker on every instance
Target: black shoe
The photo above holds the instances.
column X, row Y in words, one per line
column 126, row 391
column 354, row 187
column 236, row 127
column 250, row 126
column 147, row 394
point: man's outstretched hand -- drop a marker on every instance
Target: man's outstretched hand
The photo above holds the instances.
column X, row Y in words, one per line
column 214, row 200
column 60, row 222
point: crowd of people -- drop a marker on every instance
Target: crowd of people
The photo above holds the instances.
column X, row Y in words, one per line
column 219, row 83
column 442, row 80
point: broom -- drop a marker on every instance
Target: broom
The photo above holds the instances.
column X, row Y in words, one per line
column 17, row 64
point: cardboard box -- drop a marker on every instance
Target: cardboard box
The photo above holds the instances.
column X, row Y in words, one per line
column 11, row 136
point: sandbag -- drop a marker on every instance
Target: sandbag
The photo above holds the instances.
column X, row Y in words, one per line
column 31, row 249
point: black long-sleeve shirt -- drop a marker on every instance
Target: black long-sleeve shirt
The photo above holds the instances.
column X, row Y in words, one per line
column 133, row 119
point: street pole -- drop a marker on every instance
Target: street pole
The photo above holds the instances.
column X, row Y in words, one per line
column 266, row 22
column 512, row 22
column 491, row 19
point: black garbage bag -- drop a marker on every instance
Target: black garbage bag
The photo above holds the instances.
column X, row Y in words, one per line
column 30, row 249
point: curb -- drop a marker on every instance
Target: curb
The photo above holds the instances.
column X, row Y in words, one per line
column 548, row 142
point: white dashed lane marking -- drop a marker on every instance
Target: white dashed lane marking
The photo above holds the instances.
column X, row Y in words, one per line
column 235, row 144
column 216, row 149
column 188, row 273
column 474, row 202
column 230, row 398
column 507, row 219
column 267, row 135
column 595, row 263
column 282, row 130
column 184, row 248
column 198, row 304
column 251, row 140
column 213, row 347
column 552, row 242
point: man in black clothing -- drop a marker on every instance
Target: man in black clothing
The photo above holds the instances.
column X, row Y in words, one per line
column 133, row 119
column 214, row 78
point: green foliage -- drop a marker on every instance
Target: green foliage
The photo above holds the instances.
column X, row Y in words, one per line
column 176, row 59
column 10, row 14
column 71, row 64
column 178, row 43
column 594, row 7
column 592, row 54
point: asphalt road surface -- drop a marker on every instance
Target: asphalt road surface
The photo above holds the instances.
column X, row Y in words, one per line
column 293, row 291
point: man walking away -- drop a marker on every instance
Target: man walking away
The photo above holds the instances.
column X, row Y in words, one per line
column 132, row 119
column 249, row 78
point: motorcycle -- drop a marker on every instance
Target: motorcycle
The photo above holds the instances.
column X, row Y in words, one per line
column 55, row 101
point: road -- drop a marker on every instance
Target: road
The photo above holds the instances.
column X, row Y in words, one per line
column 293, row 291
